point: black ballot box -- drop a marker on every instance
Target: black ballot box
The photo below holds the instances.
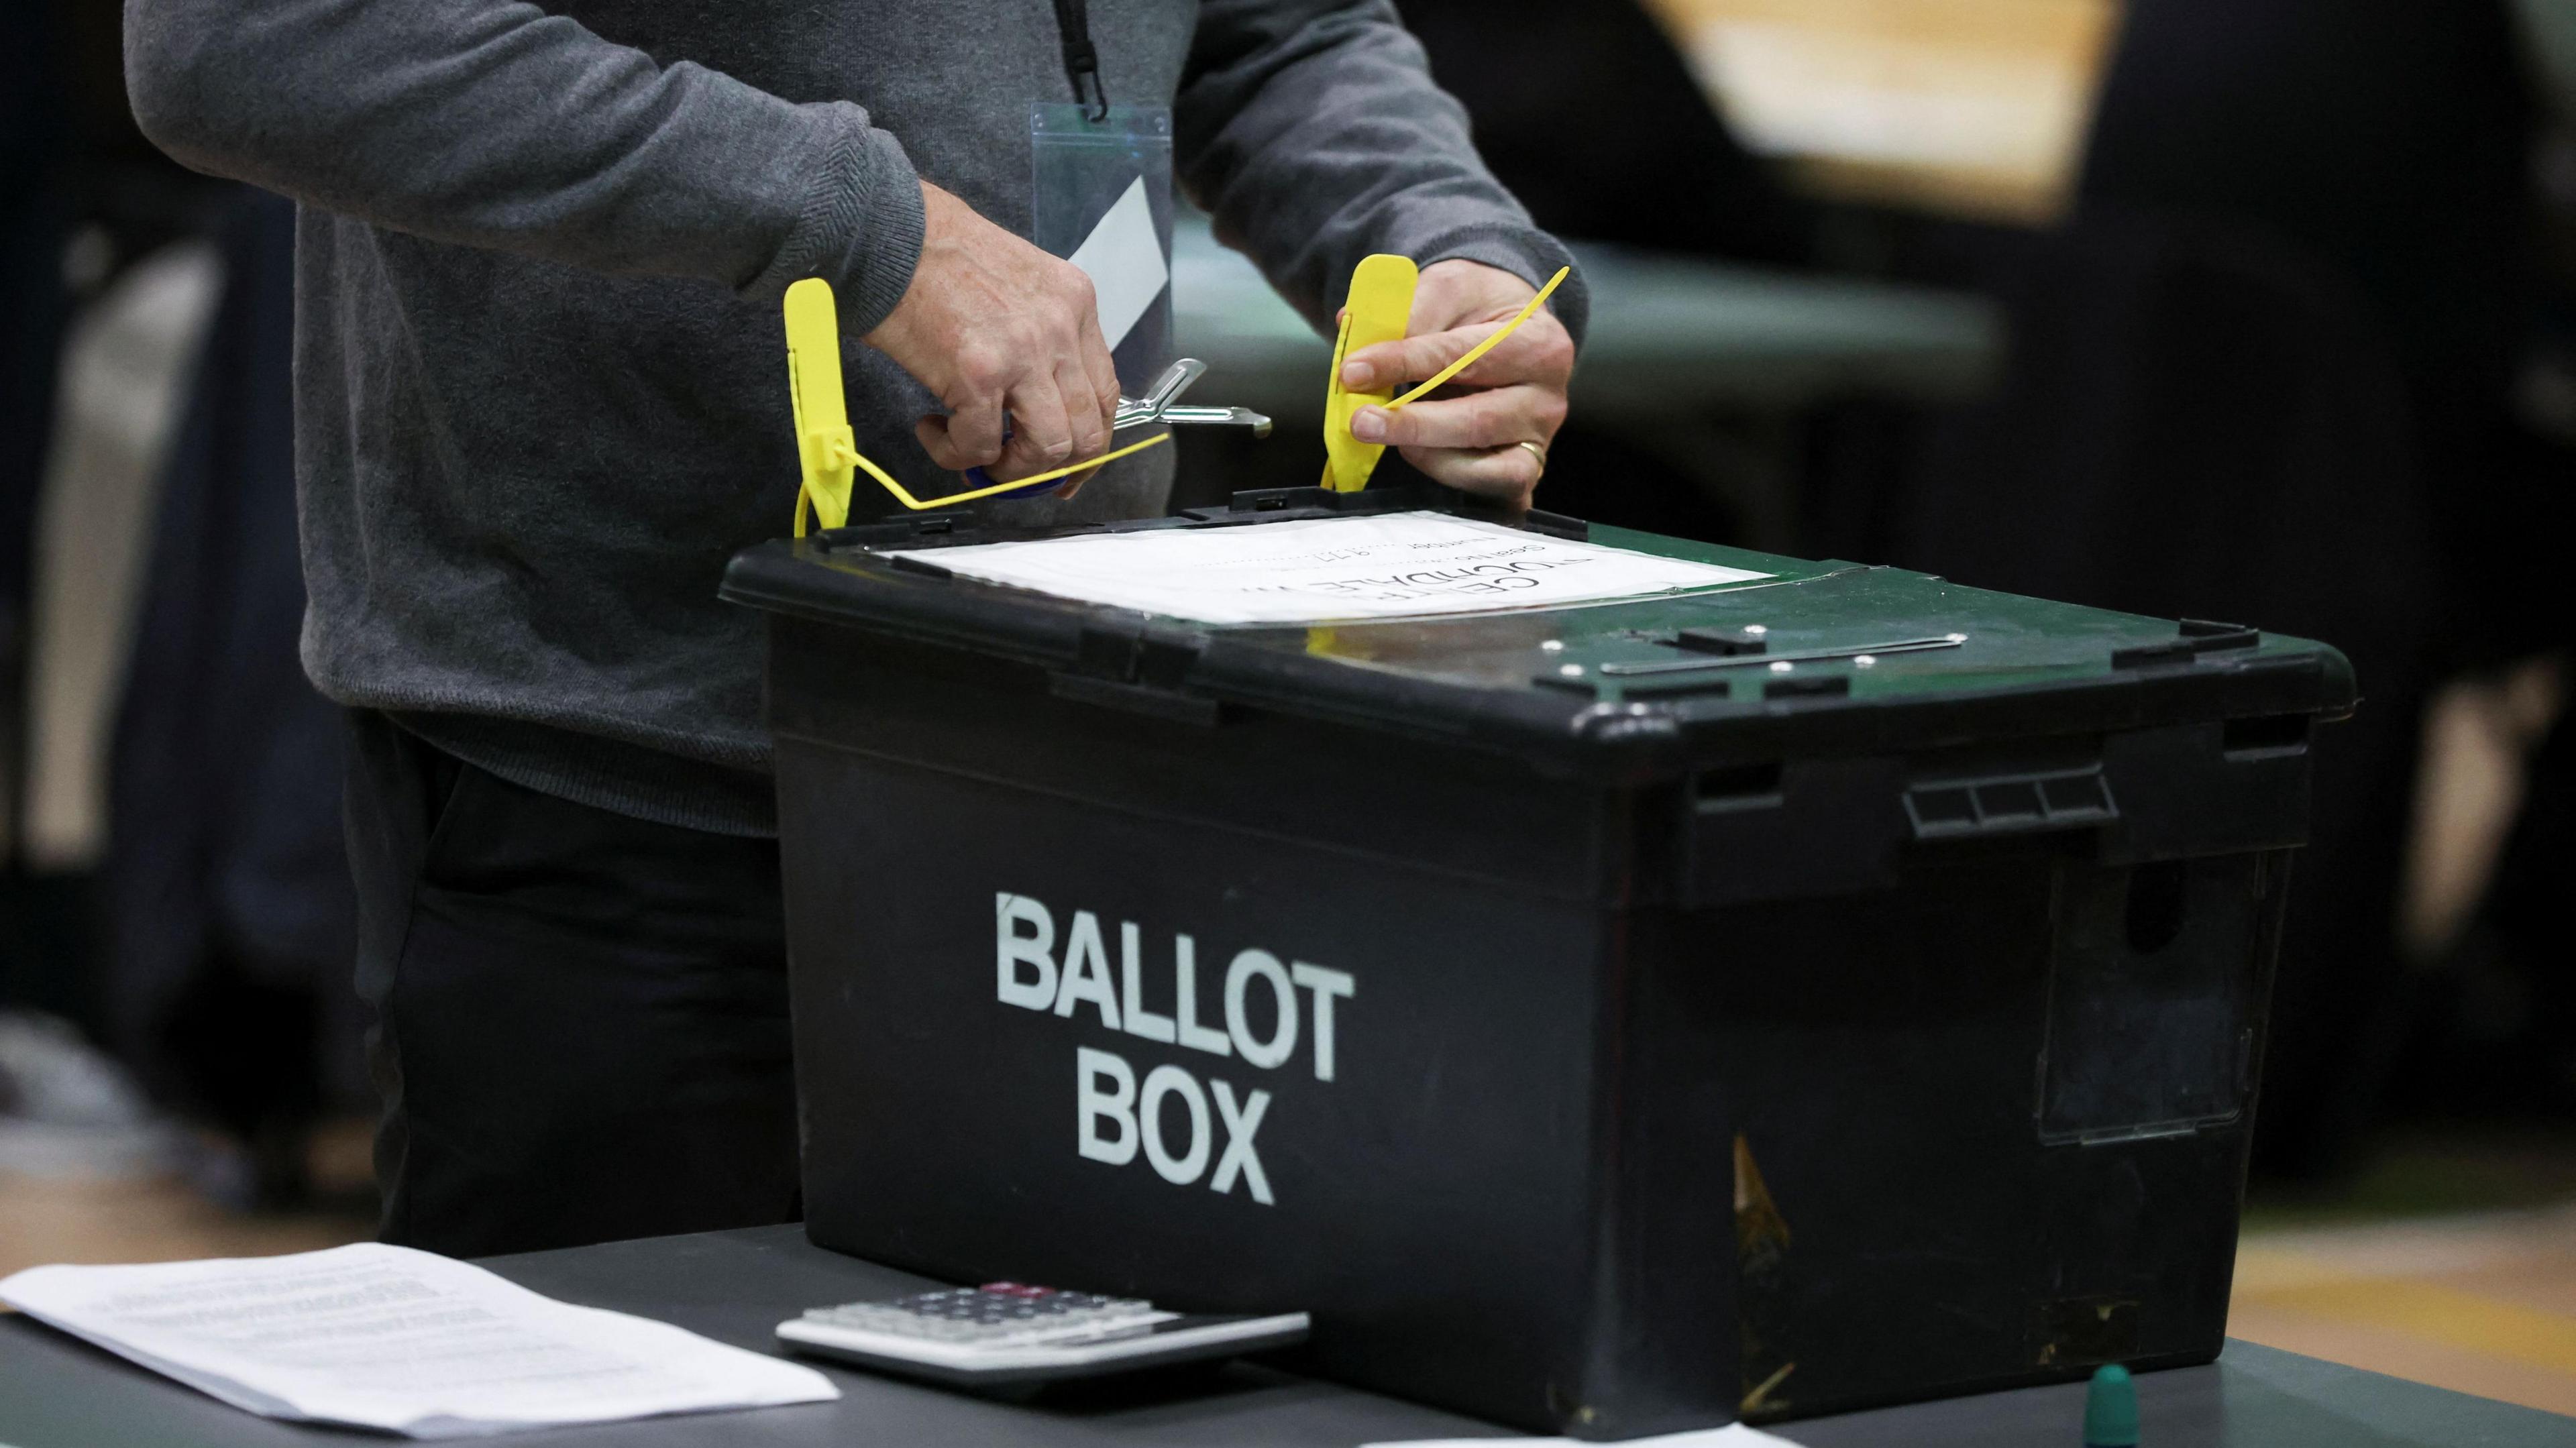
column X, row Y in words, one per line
column 1831, row 987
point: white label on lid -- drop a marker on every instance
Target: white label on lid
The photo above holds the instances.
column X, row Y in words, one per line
column 1325, row 570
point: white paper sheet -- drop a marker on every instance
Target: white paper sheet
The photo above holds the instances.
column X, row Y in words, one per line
column 1124, row 259
column 1734, row 1435
column 1395, row 565
column 386, row 1337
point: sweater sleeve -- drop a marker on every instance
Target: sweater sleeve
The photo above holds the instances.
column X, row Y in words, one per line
column 1312, row 132
column 492, row 123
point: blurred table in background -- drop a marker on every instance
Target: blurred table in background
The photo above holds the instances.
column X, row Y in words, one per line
column 1971, row 108
column 1666, row 333
column 1707, row 366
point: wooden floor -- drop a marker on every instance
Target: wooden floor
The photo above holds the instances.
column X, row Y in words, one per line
column 73, row 1220
column 161, row 1219
column 2485, row 1304
column 2481, row 1302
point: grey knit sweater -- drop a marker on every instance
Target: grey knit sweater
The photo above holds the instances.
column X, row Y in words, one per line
column 539, row 382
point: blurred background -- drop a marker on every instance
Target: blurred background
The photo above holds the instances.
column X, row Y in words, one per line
column 2261, row 310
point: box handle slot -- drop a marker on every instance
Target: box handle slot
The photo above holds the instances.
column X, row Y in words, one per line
column 1740, row 786
column 2265, row 736
column 2010, row 804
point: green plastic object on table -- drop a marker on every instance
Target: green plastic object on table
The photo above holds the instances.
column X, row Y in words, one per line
column 2111, row 1409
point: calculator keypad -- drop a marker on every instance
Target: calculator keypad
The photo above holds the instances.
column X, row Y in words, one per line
column 995, row 1312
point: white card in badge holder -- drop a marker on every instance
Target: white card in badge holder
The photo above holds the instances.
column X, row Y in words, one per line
column 1124, row 259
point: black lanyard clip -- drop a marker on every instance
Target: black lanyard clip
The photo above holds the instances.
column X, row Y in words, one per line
column 1081, row 60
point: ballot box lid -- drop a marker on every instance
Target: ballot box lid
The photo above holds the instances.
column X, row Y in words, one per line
column 1786, row 657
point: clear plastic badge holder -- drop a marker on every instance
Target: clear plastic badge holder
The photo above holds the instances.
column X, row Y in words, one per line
column 1080, row 171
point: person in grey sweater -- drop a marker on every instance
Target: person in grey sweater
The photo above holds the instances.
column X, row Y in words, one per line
column 540, row 402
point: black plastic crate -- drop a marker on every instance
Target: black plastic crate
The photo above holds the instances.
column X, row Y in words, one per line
column 1596, row 1026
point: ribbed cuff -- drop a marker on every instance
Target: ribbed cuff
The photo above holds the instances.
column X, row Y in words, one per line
column 877, row 267
column 1529, row 254
column 860, row 227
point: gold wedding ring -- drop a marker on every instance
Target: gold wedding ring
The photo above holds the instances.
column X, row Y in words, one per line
column 1537, row 452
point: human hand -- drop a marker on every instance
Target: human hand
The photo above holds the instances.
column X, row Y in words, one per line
column 1468, row 435
column 992, row 323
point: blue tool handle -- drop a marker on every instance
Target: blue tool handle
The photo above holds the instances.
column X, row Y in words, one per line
column 977, row 478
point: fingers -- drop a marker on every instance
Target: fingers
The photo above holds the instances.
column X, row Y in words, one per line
column 1541, row 351
column 1509, row 472
column 1041, row 434
column 1495, row 418
column 1073, row 485
column 1040, row 437
column 1086, row 419
column 970, row 437
column 1085, row 379
column 1103, row 372
column 1045, row 431
column 1416, row 359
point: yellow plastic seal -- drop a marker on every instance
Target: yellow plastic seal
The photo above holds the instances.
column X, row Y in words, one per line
column 1379, row 309
column 826, row 451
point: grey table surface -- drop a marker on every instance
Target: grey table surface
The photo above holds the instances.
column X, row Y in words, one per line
column 56, row 1392
column 1668, row 334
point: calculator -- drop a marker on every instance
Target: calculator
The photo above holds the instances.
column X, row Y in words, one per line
column 1006, row 1333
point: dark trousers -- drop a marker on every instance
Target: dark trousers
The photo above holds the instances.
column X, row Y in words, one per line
column 580, row 1018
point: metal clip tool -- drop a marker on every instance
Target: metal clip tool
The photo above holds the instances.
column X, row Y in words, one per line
column 1157, row 405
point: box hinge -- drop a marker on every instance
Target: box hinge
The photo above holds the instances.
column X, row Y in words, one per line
column 895, row 532
column 1138, row 668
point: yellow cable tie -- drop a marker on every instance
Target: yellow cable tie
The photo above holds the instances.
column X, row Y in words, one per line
column 901, row 495
column 1489, row 344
